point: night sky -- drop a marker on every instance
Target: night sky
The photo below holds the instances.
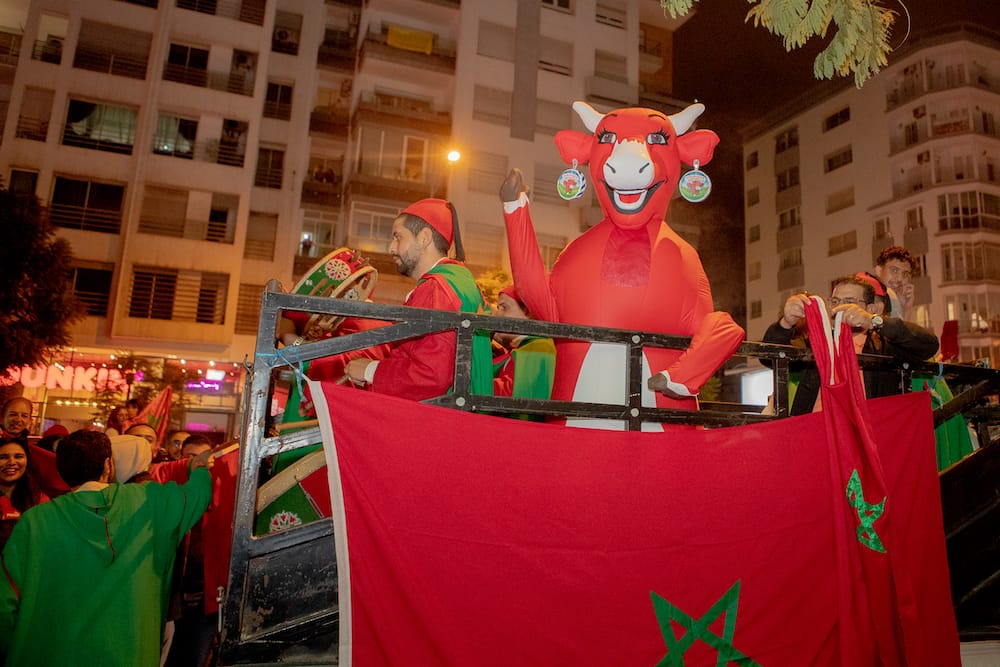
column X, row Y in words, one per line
column 741, row 72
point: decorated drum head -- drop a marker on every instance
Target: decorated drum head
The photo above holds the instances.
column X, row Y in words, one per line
column 342, row 274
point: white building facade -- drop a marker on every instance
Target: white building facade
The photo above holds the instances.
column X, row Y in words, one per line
column 192, row 150
column 910, row 159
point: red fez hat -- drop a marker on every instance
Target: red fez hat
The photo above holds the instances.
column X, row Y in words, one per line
column 873, row 281
column 441, row 216
column 510, row 291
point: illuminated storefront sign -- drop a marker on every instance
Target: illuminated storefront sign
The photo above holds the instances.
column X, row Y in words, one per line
column 204, row 385
column 68, row 377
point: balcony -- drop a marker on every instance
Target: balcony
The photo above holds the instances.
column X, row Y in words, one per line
column 195, row 230
column 322, row 192
column 246, row 11
column 10, row 48
column 338, row 51
column 108, row 61
column 791, row 277
column 208, row 150
column 101, row 141
column 402, row 111
column 236, row 81
column 268, row 177
column 324, row 120
column 84, row 218
column 609, row 91
column 415, row 48
column 48, row 51
column 34, row 129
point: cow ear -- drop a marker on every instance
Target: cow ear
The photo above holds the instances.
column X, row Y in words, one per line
column 574, row 146
column 698, row 145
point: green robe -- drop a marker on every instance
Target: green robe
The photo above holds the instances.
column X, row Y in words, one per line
column 87, row 574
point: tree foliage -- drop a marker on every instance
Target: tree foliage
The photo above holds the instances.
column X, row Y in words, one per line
column 859, row 46
column 37, row 304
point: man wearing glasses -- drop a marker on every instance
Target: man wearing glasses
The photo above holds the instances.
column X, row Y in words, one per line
column 854, row 296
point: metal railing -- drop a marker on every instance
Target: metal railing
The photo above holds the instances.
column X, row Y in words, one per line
column 247, row 11
column 182, row 228
column 48, row 51
column 205, row 150
column 248, row 638
column 84, row 218
column 109, row 62
column 238, row 82
column 34, row 129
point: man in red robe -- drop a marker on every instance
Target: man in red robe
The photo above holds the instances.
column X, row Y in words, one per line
column 423, row 368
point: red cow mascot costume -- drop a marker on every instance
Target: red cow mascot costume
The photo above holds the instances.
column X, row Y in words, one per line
column 630, row 271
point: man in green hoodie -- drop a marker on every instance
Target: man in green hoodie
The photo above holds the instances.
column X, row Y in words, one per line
column 85, row 580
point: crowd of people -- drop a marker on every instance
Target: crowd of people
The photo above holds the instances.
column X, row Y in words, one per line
column 110, row 552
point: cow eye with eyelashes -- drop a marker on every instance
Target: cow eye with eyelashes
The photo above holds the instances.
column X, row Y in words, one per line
column 657, row 138
column 607, row 137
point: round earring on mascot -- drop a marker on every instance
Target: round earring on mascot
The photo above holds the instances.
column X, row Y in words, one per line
column 572, row 183
column 695, row 185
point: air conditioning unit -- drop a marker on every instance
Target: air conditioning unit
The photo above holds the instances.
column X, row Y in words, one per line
column 285, row 39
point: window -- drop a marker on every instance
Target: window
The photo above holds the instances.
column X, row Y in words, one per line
column 182, row 296
column 486, row 170
column 838, row 159
column 611, row 12
column 788, row 178
column 232, row 146
column 491, row 105
column 556, row 56
column 842, row 243
column 970, row 209
column 789, row 218
column 836, row 118
column 564, row 5
column 785, row 140
column 756, row 309
column 911, row 134
column 86, row 205
column 102, row 47
column 753, row 234
column 791, row 258
column 287, row 31
column 24, row 182
column 881, row 229
column 484, row 243
column 36, row 108
column 752, row 160
column 610, row 66
column 914, row 218
column 270, row 165
column 840, row 200
column 754, row 271
column 102, row 127
column 371, row 226
column 753, row 196
column 496, row 41
column 551, row 117
column 390, row 153
column 262, row 230
column 187, row 64
column 175, row 136
column 152, row 294
column 92, row 287
column 248, row 308
column 278, row 101
column 962, row 262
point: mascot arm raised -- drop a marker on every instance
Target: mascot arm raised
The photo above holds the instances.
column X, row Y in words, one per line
column 526, row 263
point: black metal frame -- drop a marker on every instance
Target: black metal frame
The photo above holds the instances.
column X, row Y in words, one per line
column 306, row 554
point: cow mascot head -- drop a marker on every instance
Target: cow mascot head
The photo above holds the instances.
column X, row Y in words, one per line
column 635, row 158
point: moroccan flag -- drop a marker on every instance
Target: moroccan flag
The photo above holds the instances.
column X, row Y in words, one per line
column 217, row 526
column 156, row 413
column 465, row 539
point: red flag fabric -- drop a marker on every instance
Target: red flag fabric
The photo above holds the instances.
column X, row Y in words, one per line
column 467, row 539
column 156, row 414
column 217, row 527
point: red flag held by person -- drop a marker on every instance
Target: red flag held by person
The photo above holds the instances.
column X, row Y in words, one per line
column 466, row 539
column 156, row 414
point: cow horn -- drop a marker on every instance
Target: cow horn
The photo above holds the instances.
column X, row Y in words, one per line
column 683, row 120
column 590, row 116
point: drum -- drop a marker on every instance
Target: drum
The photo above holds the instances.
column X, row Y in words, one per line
column 342, row 274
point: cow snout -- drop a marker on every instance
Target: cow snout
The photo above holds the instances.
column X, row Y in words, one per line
column 629, row 167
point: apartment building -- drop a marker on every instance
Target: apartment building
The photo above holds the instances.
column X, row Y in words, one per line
column 909, row 159
column 192, row 150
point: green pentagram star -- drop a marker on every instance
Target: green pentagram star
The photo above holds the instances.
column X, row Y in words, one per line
column 698, row 629
column 868, row 514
